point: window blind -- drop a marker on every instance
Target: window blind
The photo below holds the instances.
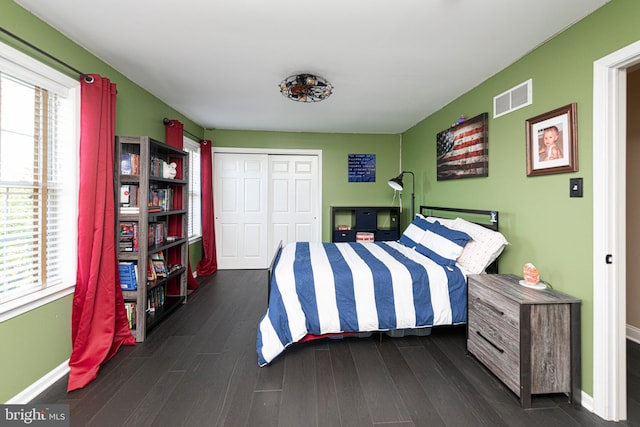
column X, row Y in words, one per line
column 38, row 190
column 194, row 216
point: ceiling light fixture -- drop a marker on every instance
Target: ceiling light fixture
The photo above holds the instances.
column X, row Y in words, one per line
column 306, row 88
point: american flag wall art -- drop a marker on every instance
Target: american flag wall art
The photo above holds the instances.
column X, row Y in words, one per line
column 462, row 150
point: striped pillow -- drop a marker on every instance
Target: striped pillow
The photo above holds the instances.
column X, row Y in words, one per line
column 443, row 245
column 413, row 233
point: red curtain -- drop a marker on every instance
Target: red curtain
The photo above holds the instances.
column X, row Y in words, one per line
column 175, row 138
column 209, row 264
column 175, row 134
column 99, row 324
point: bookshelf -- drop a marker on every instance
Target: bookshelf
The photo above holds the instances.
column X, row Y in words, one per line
column 381, row 222
column 151, row 227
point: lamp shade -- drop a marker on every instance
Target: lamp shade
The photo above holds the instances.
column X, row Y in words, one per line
column 396, row 183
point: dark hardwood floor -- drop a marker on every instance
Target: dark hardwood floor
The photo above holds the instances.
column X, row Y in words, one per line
column 199, row 368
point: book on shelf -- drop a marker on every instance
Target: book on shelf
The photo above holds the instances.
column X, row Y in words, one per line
column 156, row 233
column 129, row 194
column 159, row 268
column 165, row 198
column 159, row 265
column 151, row 273
column 128, row 239
column 157, row 167
column 157, row 256
column 161, row 232
column 131, row 308
column 160, row 199
column 125, row 195
column 128, row 280
column 129, row 209
column 125, row 164
column 155, row 298
column 129, row 164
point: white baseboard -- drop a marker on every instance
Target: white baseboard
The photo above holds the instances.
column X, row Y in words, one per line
column 37, row 388
column 633, row 333
column 586, row 401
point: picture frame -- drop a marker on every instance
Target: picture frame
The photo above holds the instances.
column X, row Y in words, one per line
column 462, row 151
column 552, row 142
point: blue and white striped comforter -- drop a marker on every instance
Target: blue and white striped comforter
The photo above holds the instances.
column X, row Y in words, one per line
column 320, row 288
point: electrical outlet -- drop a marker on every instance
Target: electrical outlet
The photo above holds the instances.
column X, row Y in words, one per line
column 575, row 187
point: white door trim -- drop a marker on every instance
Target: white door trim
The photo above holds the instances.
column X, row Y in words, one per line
column 293, row 151
column 609, row 231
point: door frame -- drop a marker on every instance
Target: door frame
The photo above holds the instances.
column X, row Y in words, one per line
column 280, row 151
column 609, row 232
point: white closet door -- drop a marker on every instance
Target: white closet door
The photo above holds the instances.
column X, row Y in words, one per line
column 241, row 183
column 294, row 199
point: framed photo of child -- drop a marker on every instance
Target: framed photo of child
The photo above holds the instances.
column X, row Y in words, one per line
column 552, row 142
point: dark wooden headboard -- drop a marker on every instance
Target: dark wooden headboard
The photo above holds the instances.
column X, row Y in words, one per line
column 488, row 219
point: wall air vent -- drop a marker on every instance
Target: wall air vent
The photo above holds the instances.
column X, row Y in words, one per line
column 513, row 99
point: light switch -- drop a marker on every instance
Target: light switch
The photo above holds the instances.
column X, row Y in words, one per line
column 575, row 187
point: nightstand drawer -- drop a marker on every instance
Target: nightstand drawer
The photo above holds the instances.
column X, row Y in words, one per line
column 503, row 362
column 494, row 335
column 502, row 334
column 492, row 308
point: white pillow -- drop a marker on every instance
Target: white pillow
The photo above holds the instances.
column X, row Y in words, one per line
column 444, row 221
column 485, row 247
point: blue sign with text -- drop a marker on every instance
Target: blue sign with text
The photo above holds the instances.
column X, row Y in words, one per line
column 362, row 168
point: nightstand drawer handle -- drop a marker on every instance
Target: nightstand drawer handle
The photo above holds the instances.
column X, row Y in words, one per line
column 500, row 312
column 487, row 340
column 491, row 307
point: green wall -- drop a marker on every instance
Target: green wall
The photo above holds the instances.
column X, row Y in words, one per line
column 33, row 344
column 36, row 342
column 336, row 190
column 543, row 225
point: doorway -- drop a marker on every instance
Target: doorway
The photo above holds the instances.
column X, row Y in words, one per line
column 633, row 238
column 609, row 231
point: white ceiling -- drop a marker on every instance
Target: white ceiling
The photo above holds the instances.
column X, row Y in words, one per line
column 391, row 62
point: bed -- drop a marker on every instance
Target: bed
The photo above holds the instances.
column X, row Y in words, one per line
column 413, row 284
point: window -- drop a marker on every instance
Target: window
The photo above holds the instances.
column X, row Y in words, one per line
column 38, row 182
column 195, row 224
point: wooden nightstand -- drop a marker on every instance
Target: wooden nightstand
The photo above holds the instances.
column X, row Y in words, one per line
column 530, row 339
